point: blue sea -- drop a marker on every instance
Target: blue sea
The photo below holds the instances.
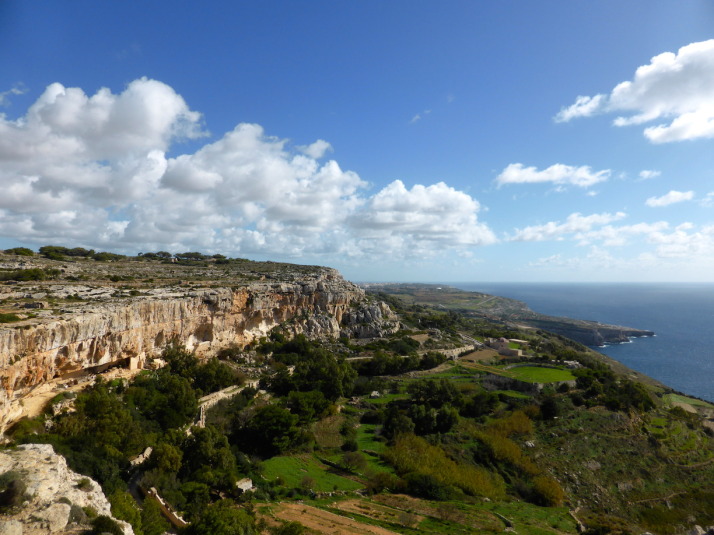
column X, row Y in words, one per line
column 681, row 355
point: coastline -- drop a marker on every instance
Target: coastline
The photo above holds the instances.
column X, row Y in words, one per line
column 680, row 353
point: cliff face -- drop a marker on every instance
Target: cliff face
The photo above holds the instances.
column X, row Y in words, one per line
column 52, row 490
column 101, row 334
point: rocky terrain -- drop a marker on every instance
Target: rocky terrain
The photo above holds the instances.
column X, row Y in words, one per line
column 55, row 498
column 96, row 315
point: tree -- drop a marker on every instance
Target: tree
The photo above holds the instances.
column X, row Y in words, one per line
column 223, row 518
column 434, row 393
column 271, row 430
column 152, row 519
column 354, row 461
column 124, row 508
column 163, row 397
column 213, row 376
column 308, row 406
column 289, row 528
column 208, row 459
column 396, row 424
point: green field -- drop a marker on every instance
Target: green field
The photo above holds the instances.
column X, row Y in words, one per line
column 536, row 374
column 294, row 470
column 676, row 398
column 366, row 438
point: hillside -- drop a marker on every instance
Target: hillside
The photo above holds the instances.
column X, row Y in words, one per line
column 510, row 312
column 283, row 399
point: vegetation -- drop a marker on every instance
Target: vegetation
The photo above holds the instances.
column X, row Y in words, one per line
column 427, row 441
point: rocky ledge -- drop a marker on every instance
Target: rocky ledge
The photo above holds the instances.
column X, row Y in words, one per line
column 55, row 499
column 88, row 327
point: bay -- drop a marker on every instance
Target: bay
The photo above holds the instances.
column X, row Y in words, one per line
column 681, row 355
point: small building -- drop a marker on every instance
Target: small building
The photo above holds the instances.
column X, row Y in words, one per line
column 503, row 346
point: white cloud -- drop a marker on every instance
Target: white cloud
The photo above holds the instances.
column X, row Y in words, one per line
column 647, row 174
column 559, row 174
column 419, row 116
column 93, row 171
column 680, row 243
column 426, row 217
column 18, row 89
column 575, row 224
column 582, row 107
column 316, row 150
column 618, row 236
column 670, row 198
column 675, row 89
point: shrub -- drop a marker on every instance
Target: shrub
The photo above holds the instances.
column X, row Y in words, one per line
column 12, row 490
column 20, row 251
column 547, row 491
column 9, row 318
column 84, row 484
column 414, row 454
column 105, row 524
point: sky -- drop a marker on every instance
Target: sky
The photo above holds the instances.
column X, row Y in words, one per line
column 402, row 140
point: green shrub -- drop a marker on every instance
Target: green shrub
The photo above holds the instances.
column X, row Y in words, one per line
column 414, row 454
column 548, row 491
column 12, row 490
column 105, row 524
column 20, row 251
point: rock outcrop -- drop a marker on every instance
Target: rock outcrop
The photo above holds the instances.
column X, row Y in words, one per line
column 52, row 491
column 103, row 331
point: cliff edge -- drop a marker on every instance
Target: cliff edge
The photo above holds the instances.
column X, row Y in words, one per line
column 70, row 329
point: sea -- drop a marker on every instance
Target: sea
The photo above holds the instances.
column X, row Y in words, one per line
column 680, row 355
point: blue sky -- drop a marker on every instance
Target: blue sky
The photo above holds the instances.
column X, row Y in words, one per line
column 402, row 140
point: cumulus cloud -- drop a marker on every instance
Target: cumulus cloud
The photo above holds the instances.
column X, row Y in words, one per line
column 582, row 107
column 598, row 232
column 647, row 174
column 675, row 89
column 427, row 217
column 93, row 170
column 316, row 150
column 670, row 198
column 559, row 174
column 574, row 224
column 685, row 241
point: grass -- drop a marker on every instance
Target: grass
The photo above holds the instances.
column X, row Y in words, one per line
column 534, row 520
column 293, row 471
column 9, row 317
column 386, row 398
column 537, row 374
column 366, row 438
column 327, row 431
column 513, row 394
column 676, row 398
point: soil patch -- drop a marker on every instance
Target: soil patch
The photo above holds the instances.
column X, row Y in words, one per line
column 326, row 522
column 480, row 355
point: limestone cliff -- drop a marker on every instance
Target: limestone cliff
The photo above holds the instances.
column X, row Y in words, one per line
column 105, row 327
column 54, row 494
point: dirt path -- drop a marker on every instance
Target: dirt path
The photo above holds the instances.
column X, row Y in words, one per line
column 326, row 522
